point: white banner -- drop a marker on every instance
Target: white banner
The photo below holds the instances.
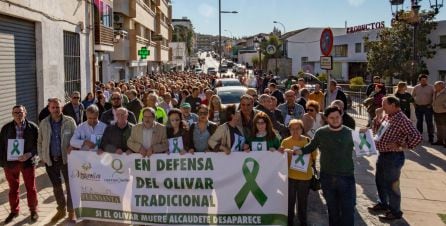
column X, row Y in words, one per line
column 200, row 189
column 364, row 143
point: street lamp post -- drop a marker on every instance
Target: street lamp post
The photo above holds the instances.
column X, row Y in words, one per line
column 413, row 18
column 258, row 45
column 219, row 32
column 284, row 46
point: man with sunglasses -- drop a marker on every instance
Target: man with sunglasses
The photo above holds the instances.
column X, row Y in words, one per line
column 109, row 117
column 74, row 108
column 20, row 128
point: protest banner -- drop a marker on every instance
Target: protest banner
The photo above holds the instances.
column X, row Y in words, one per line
column 200, row 189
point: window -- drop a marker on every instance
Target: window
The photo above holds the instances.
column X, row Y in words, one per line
column 72, row 62
column 104, row 13
column 441, row 75
column 341, row 50
column 304, row 59
column 358, row 47
column 443, row 41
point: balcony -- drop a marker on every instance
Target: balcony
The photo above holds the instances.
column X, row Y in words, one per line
column 126, row 7
column 103, row 37
column 121, row 46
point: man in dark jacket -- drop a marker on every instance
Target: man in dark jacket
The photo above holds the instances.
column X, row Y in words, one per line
column 134, row 105
column 335, row 94
column 74, row 108
column 20, row 129
column 109, row 116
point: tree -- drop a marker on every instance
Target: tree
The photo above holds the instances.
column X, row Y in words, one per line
column 183, row 34
column 392, row 54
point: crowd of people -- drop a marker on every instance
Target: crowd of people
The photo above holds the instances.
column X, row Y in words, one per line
column 180, row 113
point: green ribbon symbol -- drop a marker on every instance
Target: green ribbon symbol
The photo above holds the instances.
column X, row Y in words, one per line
column 300, row 158
column 259, row 146
column 250, row 185
column 239, row 144
column 175, row 145
column 15, row 147
column 98, row 140
column 364, row 141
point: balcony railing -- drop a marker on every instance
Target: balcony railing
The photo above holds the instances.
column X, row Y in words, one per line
column 142, row 40
column 103, row 35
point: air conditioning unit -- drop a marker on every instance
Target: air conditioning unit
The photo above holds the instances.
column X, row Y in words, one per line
column 119, row 19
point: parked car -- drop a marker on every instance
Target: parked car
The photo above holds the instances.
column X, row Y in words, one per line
column 198, row 70
column 230, row 94
column 212, row 71
column 223, row 68
column 227, row 82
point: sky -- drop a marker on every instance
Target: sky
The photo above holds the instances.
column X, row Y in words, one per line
column 256, row 16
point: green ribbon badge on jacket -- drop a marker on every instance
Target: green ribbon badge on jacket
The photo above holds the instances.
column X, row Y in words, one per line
column 15, row 148
column 364, row 141
column 250, row 185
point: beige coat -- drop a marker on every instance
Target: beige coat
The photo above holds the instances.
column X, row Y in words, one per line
column 222, row 137
column 44, row 138
column 439, row 104
column 159, row 138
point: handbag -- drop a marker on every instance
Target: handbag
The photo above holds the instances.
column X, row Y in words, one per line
column 315, row 183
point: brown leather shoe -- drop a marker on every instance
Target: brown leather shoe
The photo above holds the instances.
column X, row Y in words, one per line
column 72, row 216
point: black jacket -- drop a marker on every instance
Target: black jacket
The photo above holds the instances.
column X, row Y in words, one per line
column 134, row 106
column 339, row 96
column 279, row 96
column 29, row 135
column 44, row 113
column 68, row 110
column 107, row 117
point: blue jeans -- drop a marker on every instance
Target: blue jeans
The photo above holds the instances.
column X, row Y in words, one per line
column 340, row 194
column 427, row 113
column 387, row 178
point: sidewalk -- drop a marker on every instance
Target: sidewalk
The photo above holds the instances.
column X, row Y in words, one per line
column 423, row 188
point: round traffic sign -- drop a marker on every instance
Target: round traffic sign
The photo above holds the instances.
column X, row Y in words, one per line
column 326, row 41
column 271, row 49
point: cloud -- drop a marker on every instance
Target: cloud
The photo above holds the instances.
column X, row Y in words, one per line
column 356, row 2
column 206, row 10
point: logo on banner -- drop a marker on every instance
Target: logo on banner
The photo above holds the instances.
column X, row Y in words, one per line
column 85, row 173
column 250, row 185
column 91, row 195
column 118, row 175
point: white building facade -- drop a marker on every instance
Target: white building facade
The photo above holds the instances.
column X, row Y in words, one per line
column 45, row 51
column 349, row 53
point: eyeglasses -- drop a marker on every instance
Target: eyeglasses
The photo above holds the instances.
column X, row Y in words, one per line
column 260, row 122
column 18, row 112
column 310, row 109
column 116, row 98
column 75, row 97
column 202, row 113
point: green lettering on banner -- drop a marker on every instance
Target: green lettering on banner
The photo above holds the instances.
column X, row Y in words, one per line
column 364, row 141
column 142, row 164
column 250, row 185
column 15, row 147
column 300, row 159
column 181, row 218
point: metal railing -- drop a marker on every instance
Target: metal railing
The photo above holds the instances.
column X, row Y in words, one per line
column 356, row 96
